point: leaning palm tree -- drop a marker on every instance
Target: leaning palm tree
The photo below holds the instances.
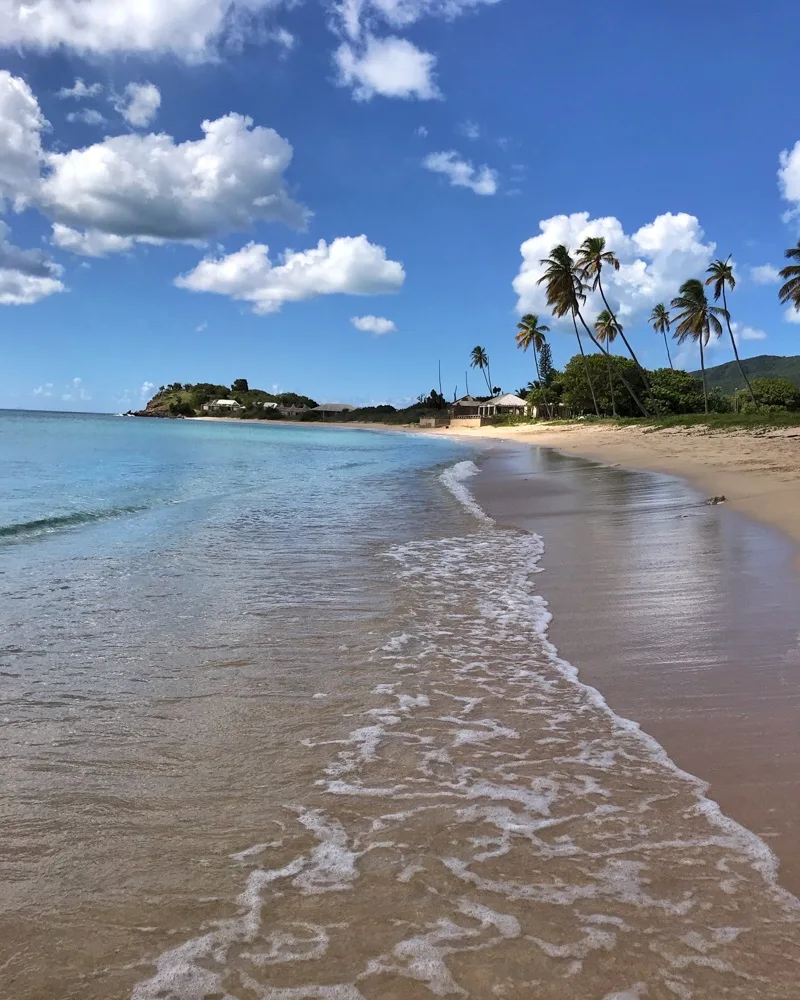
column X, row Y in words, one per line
column 696, row 319
column 566, row 292
column 532, row 334
column 606, row 329
column 480, row 359
column 592, row 256
column 660, row 321
column 720, row 275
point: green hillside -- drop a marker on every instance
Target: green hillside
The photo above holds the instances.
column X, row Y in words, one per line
column 727, row 378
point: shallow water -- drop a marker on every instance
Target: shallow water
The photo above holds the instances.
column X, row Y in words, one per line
column 309, row 739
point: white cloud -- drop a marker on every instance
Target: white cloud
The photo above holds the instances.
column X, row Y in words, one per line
column 389, row 67
column 765, row 274
column 461, row 173
column 140, row 104
column 21, row 125
column 284, row 38
column 75, row 392
column 655, row 261
column 188, row 28
column 471, row 130
column 422, row 132
column 792, row 315
column 44, row 390
column 148, row 187
column 789, row 176
column 373, row 324
column 91, row 243
column 88, row 116
column 146, row 389
column 353, row 14
column 349, row 265
column 79, row 91
column 26, row 276
column 741, row 333
column 201, row 327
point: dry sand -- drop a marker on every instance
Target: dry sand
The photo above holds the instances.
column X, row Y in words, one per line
column 758, row 473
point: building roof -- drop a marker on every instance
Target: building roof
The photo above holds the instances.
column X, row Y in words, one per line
column 508, row 399
column 334, row 408
column 225, row 402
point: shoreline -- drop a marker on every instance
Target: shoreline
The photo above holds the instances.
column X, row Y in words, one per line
column 758, row 474
column 685, row 617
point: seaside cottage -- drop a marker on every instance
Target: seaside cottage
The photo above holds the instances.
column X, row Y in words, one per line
column 501, row 405
column 326, row 410
column 467, row 406
column 223, row 408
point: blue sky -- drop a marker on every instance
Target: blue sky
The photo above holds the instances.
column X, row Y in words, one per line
column 425, row 141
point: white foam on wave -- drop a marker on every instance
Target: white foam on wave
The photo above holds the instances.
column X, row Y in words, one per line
column 455, row 479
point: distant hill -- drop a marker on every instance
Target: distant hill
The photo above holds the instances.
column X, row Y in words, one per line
column 727, row 378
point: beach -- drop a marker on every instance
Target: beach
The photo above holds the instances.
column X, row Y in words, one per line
column 758, row 473
column 315, row 715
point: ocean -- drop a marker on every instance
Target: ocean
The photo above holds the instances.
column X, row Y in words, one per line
column 282, row 719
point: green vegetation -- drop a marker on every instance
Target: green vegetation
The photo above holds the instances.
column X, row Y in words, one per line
column 727, row 379
column 187, row 399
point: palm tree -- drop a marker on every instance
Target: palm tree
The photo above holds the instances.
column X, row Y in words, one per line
column 566, row 292
column 563, row 297
column 605, row 326
column 660, row 321
column 790, row 292
column 591, row 257
column 696, row 319
column 532, row 334
column 720, row 274
column 480, row 359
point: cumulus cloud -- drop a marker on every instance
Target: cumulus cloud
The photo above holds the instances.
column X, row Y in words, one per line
column 21, row 126
column 88, row 116
column 655, row 261
column 188, row 28
column 765, row 274
column 75, row 391
column 789, row 176
column 146, row 389
column 139, row 104
column 461, row 173
column 792, row 315
column 350, row 265
column 148, row 187
column 44, row 390
column 742, row 332
column 26, row 276
column 91, row 243
column 373, row 324
column 389, row 67
column 421, row 131
column 471, row 130
column 79, row 91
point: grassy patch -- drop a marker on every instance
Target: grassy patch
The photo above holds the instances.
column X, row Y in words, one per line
column 712, row 422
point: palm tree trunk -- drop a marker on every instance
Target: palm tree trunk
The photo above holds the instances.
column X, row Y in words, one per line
column 586, row 366
column 611, row 388
column 703, row 370
column 488, row 378
column 625, row 382
column 735, row 350
column 669, row 356
column 642, row 372
column 539, row 380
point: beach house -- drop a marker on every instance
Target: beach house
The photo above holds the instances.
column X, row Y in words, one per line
column 508, row 403
column 326, row 410
column 223, row 408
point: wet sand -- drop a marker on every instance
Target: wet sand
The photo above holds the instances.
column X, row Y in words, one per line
column 685, row 616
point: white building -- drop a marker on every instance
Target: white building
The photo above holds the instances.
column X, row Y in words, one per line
column 223, row 408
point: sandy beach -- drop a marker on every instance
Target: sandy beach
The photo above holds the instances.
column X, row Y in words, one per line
column 758, row 473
